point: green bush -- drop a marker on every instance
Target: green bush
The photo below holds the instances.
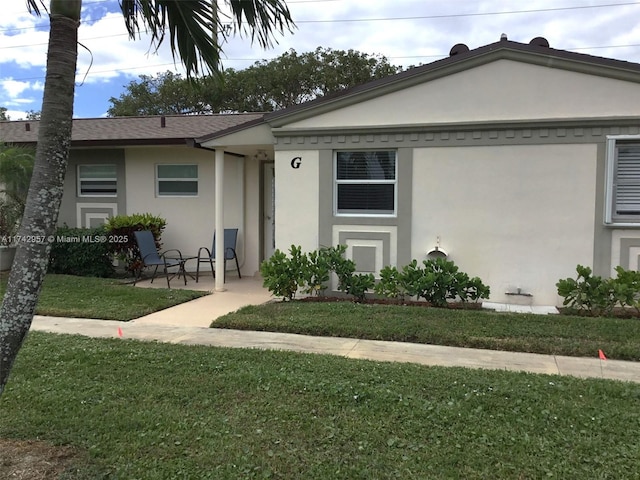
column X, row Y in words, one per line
column 122, row 228
column 283, row 275
column 594, row 295
column 81, row 251
column 316, row 272
column 436, row 280
column 391, row 284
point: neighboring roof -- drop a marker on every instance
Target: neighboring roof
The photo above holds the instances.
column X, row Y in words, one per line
column 156, row 130
column 463, row 59
column 232, row 129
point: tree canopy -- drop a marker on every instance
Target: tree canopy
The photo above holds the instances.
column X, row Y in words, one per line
column 267, row 85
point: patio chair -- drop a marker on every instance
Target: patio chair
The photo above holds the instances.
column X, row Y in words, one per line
column 205, row 255
column 152, row 258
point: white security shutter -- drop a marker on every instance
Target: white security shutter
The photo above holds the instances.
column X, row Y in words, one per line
column 627, row 179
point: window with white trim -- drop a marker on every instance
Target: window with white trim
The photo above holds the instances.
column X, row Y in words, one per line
column 97, row 180
column 365, row 182
column 623, row 180
column 177, row 180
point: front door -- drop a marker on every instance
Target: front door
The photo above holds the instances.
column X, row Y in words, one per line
column 269, row 210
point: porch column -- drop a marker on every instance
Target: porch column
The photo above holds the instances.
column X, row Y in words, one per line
column 219, row 223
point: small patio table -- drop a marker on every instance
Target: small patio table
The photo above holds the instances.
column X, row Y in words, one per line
column 181, row 270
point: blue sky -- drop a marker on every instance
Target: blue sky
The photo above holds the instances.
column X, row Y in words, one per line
column 408, row 32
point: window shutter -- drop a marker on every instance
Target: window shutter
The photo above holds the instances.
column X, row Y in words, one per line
column 627, row 187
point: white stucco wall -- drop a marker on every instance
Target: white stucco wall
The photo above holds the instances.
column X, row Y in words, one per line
column 500, row 90
column 516, row 216
column 297, row 197
column 190, row 220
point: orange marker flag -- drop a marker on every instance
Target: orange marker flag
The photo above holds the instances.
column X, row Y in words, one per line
column 601, row 355
column 119, row 332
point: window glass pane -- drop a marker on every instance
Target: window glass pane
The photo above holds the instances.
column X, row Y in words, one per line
column 97, row 171
column 366, row 165
column 177, row 171
column 177, row 187
column 370, row 198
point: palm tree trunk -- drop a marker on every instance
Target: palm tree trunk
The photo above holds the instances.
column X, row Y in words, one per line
column 45, row 192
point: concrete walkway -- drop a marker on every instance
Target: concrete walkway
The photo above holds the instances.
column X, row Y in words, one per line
column 188, row 324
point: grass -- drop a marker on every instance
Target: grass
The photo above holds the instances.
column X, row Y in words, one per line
column 547, row 334
column 102, row 298
column 158, row 411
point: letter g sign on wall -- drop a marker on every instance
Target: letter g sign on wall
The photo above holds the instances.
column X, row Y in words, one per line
column 295, row 162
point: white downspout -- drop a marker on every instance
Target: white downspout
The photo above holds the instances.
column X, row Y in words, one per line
column 219, row 196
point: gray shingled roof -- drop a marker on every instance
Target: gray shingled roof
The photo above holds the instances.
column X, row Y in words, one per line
column 132, row 130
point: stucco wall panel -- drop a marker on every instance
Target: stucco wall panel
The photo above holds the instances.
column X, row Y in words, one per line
column 497, row 91
column 517, row 216
column 297, row 200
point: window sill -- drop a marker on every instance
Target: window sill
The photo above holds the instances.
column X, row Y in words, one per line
column 623, row 225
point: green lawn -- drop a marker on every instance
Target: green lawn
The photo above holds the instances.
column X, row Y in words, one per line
column 158, row 411
column 108, row 299
column 547, row 334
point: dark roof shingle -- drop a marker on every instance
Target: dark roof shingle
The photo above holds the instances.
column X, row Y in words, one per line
column 131, row 130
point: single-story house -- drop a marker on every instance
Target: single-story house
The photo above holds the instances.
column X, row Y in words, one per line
column 517, row 161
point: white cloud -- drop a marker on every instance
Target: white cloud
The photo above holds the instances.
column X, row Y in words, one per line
column 13, row 87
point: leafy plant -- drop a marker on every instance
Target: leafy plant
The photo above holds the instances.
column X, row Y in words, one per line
column 317, row 271
column 122, row 228
column 438, row 281
column 349, row 282
column 588, row 293
column 81, row 251
column 283, row 275
column 16, row 168
column 391, row 284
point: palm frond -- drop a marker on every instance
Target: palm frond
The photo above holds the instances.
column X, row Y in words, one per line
column 193, row 26
column 33, row 6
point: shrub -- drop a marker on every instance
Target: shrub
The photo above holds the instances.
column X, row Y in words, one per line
column 594, row 295
column 587, row 293
column 436, row 280
column 283, row 275
column 316, row 272
column 391, row 284
column 356, row 285
column 122, row 227
column 626, row 288
column 81, row 251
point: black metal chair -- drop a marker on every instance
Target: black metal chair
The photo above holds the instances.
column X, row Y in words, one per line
column 152, row 258
column 209, row 256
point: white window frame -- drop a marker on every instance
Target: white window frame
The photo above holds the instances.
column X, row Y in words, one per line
column 610, row 217
column 177, row 179
column 393, row 182
column 101, row 179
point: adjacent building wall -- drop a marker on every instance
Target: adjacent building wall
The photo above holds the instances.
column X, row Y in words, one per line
column 77, row 211
column 520, row 217
column 519, row 208
column 190, row 220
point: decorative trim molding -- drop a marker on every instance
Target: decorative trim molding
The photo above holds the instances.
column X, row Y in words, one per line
column 433, row 136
